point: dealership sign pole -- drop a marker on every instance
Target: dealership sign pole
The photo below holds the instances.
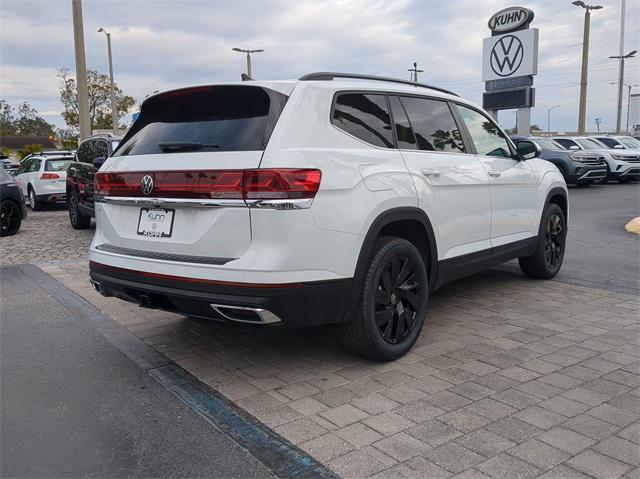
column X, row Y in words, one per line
column 509, row 63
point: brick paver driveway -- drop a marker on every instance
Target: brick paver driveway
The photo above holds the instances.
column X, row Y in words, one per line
column 511, row 378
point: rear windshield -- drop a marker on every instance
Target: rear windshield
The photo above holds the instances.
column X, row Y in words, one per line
column 219, row 118
column 57, row 165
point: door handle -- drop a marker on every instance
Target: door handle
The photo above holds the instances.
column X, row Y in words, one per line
column 431, row 173
column 494, row 174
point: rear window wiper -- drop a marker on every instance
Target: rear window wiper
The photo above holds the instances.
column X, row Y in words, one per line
column 173, row 146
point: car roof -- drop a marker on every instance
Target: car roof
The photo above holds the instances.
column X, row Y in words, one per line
column 364, row 83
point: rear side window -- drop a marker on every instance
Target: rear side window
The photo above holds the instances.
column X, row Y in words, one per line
column 57, row 165
column 217, row 118
column 433, row 125
column 364, row 116
column 404, row 133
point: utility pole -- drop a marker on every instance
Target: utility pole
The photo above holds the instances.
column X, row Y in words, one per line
column 629, row 104
column 585, row 62
column 415, row 72
column 114, row 103
column 549, row 117
column 622, row 58
column 248, row 52
column 620, row 68
column 81, row 70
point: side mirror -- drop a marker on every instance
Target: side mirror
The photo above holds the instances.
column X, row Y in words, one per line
column 618, row 147
column 98, row 162
column 574, row 147
column 528, row 149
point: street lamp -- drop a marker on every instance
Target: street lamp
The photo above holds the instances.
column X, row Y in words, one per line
column 629, row 87
column 248, row 52
column 585, row 62
column 549, row 117
column 114, row 105
column 622, row 58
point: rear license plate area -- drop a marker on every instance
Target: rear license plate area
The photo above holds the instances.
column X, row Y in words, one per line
column 156, row 222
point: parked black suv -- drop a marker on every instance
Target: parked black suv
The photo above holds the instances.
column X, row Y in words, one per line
column 12, row 207
column 578, row 167
column 89, row 157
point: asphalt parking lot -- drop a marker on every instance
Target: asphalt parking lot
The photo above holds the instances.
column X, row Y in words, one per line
column 510, row 377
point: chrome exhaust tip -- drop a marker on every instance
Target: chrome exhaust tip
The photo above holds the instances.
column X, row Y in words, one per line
column 96, row 285
column 243, row 314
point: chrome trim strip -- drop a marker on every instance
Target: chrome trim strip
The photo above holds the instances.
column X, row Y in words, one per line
column 276, row 204
column 594, row 174
column 266, row 316
column 179, row 258
column 172, row 202
column 294, row 204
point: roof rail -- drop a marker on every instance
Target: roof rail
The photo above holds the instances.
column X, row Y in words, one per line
column 317, row 76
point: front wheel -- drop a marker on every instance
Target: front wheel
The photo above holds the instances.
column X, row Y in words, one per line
column 76, row 218
column 10, row 218
column 393, row 302
column 546, row 261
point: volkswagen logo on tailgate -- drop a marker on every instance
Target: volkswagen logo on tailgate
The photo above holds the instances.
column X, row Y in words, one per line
column 507, row 55
column 146, row 184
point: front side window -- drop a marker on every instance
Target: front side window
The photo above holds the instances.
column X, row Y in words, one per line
column 610, row 142
column 364, row 116
column 83, row 153
column 486, row 135
column 589, row 144
column 567, row 143
column 433, row 125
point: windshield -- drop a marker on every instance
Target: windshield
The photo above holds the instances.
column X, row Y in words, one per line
column 547, row 144
column 588, row 144
column 219, row 118
column 630, row 142
column 57, row 165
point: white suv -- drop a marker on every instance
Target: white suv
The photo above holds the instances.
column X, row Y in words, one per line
column 335, row 198
column 42, row 178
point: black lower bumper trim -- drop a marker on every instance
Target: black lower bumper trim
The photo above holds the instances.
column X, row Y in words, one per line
column 299, row 304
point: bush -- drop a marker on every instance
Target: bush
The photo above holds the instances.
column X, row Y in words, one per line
column 27, row 150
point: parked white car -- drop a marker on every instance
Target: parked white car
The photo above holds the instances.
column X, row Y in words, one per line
column 42, row 179
column 622, row 165
column 322, row 200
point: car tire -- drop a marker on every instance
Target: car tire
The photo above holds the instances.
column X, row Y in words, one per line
column 34, row 204
column 10, row 218
column 76, row 218
column 546, row 261
column 392, row 302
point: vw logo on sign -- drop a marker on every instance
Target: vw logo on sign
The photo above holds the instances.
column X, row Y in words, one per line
column 146, row 185
column 506, row 56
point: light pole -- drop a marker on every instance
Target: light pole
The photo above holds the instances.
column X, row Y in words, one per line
column 549, row 117
column 81, row 70
column 585, row 62
column 114, row 105
column 248, row 52
column 598, row 121
column 622, row 58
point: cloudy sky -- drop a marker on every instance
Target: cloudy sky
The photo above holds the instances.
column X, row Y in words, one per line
column 161, row 44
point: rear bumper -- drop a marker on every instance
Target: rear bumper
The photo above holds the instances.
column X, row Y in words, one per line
column 292, row 304
column 52, row 198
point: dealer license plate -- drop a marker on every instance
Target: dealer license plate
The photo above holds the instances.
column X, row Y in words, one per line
column 155, row 222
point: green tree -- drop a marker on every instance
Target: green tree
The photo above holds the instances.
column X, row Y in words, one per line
column 68, row 138
column 23, row 120
column 7, row 120
column 99, row 89
column 28, row 149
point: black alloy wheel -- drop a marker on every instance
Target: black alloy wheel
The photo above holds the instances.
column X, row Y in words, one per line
column 397, row 299
column 76, row 218
column 10, row 218
column 392, row 301
column 554, row 241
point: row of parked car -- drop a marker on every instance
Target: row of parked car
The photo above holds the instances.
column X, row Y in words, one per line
column 61, row 176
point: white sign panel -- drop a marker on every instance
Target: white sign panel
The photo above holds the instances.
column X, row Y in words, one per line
column 510, row 55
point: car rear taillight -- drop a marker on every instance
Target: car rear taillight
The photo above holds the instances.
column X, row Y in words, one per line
column 265, row 184
column 49, row 176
